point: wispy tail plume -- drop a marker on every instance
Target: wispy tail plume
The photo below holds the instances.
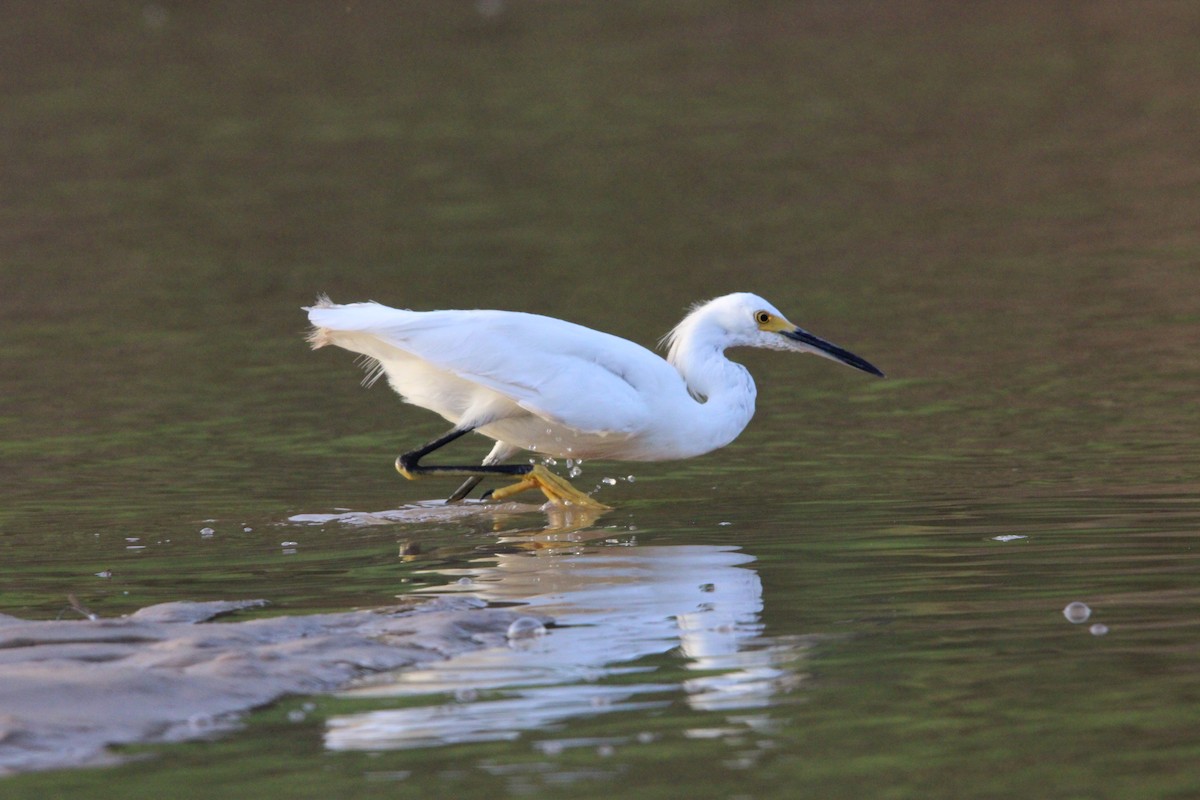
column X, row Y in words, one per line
column 319, row 337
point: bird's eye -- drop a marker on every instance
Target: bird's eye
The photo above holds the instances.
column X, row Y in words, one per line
column 762, row 317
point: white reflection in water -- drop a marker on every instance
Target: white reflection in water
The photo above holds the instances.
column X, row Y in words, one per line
column 612, row 606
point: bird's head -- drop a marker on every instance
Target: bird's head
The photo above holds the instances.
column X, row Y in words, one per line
column 747, row 320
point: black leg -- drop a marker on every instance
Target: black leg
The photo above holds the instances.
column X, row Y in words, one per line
column 464, row 490
column 408, row 465
column 557, row 490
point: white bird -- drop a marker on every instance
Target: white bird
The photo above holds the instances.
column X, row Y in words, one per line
column 559, row 389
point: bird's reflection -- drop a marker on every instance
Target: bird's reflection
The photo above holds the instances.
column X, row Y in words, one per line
column 559, row 518
column 685, row 619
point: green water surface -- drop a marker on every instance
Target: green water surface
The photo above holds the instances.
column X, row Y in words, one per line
column 996, row 203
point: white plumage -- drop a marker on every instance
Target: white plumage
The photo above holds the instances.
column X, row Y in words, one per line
column 542, row 384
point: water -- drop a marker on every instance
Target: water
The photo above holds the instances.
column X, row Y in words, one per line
column 995, row 205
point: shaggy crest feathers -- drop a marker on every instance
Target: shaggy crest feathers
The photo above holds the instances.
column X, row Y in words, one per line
column 673, row 338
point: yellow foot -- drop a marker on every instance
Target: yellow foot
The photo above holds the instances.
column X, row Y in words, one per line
column 557, row 489
column 400, row 468
column 412, row 476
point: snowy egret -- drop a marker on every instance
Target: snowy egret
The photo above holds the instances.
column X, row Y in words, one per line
column 559, row 389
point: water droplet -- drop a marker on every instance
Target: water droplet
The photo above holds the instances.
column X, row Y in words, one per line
column 609, row 481
column 207, row 531
column 288, row 544
column 1099, row 629
column 526, row 628
column 104, row 574
column 1008, row 537
column 574, row 472
column 1077, row 612
column 155, row 17
column 200, row 722
column 629, row 479
column 466, row 695
column 296, row 715
column 247, row 529
column 464, row 581
column 489, row 9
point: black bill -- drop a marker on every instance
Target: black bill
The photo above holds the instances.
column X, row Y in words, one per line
column 831, row 350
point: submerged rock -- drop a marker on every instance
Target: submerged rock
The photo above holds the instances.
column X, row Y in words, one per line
column 69, row 689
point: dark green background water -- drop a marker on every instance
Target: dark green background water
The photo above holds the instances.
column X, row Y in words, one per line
column 997, row 203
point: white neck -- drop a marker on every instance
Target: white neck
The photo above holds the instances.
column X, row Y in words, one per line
column 723, row 390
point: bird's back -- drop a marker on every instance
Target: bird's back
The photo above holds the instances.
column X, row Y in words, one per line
column 591, row 381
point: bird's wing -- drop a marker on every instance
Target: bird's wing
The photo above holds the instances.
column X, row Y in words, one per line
column 566, row 373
